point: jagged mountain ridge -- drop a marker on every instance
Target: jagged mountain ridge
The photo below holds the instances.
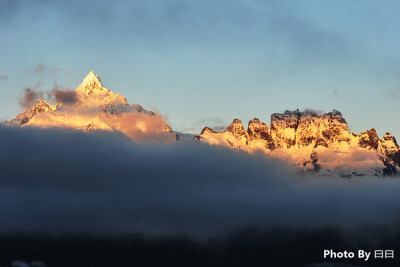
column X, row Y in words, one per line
column 40, row 106
column 91, row 107
column 315, row 143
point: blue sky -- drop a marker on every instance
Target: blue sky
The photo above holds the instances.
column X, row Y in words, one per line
column 207, row 62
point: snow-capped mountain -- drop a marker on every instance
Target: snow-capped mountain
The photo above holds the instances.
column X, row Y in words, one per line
column 315, row 143
column 40, row 106
column 90, row 107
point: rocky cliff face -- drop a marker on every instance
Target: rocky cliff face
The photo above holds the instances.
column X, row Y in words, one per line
column 258, row 130
column 317, row 143
column 93, row 107
column 295, row 128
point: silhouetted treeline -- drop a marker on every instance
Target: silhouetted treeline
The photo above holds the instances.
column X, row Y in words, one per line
column 252, row 246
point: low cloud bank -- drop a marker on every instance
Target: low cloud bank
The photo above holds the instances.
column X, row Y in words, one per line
column 59, row 180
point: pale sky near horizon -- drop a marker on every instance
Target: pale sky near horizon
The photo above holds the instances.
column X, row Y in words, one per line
column 206, row 62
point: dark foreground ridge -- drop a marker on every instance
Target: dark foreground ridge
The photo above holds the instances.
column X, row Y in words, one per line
column 274, row 246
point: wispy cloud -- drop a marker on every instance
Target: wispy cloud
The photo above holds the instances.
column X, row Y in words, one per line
column 51, row 70
column 395, row 93
column 313, row 111
column 57, row 94
column 336, row 93
column 3, row 77
column 30, row 95
column 215, row 123
column 60, row 94
column 392, row 94
column 66, row 72
column 202, row 23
